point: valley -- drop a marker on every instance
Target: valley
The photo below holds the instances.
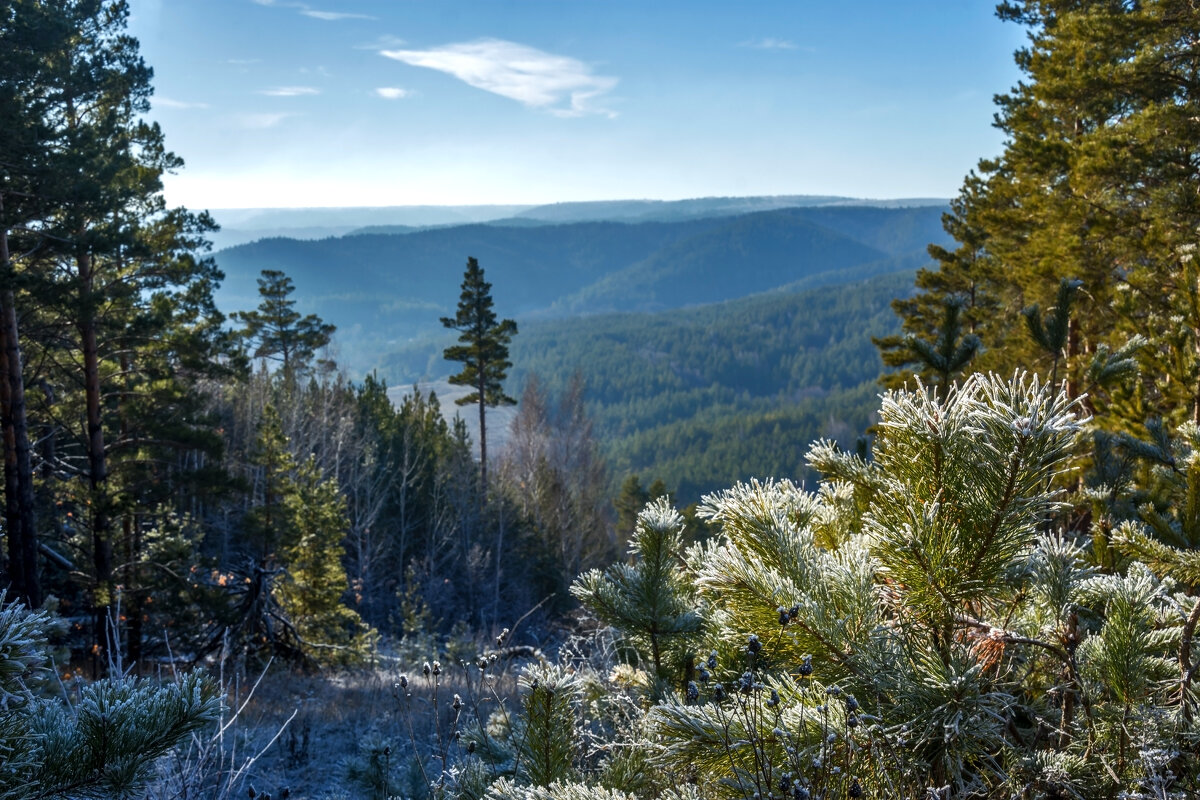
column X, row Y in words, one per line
column 737, row 329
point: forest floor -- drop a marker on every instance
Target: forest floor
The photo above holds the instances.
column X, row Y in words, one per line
column 303, row 735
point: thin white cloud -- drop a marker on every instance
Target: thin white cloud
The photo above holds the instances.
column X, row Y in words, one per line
column 769, row 43
column 291, row 91
column 333, row 16
column 242, row 62
column 309, row 11
column 562, row 85
column 382, row 43
column 392, row 93
column 167, row 102
column 259, row 122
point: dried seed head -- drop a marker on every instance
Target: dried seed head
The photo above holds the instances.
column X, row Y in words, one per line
column 693, row 692
column 712, row 660
column 753, row 645
column 855, row 789
column 426, row 669
column 806, row 669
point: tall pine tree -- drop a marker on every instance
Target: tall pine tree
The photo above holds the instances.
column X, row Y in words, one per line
column 1096, row 185
column 483, row 351
column 112, row 286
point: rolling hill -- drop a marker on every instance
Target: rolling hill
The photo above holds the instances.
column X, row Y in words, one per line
column 385, row 291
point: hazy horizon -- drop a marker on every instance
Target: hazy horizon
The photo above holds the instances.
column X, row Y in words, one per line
column 369, row 103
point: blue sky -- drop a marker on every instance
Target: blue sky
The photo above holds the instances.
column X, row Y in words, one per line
column 413, row 102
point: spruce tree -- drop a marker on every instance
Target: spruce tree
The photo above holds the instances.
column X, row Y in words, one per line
column 942, row 360
column 291, row 601
column 312, row 593
column 631, row 499
column 483, row 351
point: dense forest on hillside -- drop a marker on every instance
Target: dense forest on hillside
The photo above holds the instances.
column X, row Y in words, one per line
column 701, row 397
column 693, row 396
column 997, row 594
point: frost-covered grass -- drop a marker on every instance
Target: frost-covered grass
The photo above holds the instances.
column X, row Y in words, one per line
column 312, row 734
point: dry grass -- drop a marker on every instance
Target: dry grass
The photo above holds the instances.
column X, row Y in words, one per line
column 294, row 730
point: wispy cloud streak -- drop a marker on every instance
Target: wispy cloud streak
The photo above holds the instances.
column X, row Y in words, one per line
column 167, row 102
column 309, row 11
column 259, row 122
column 291, row 91
column 392, row 93
column 769, row 43
column 333, row 16
column 562, row 85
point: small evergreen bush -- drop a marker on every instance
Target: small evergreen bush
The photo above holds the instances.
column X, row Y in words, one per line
column 100, row 744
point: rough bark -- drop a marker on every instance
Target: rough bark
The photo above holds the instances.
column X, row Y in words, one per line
column 482, row 435
column 18, row 464
column 102, row 557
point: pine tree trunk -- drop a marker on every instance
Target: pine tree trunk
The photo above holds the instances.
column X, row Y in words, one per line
column 482, row 438
column 131, row 535
column 18, row 465
column 134, row 593
column 102, row 560
column 12, row 569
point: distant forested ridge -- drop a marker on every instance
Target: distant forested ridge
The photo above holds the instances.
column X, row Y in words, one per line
column 388, row 289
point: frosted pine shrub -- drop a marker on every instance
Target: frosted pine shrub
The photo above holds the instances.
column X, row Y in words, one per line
column 921, row 625
column 102, row 742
